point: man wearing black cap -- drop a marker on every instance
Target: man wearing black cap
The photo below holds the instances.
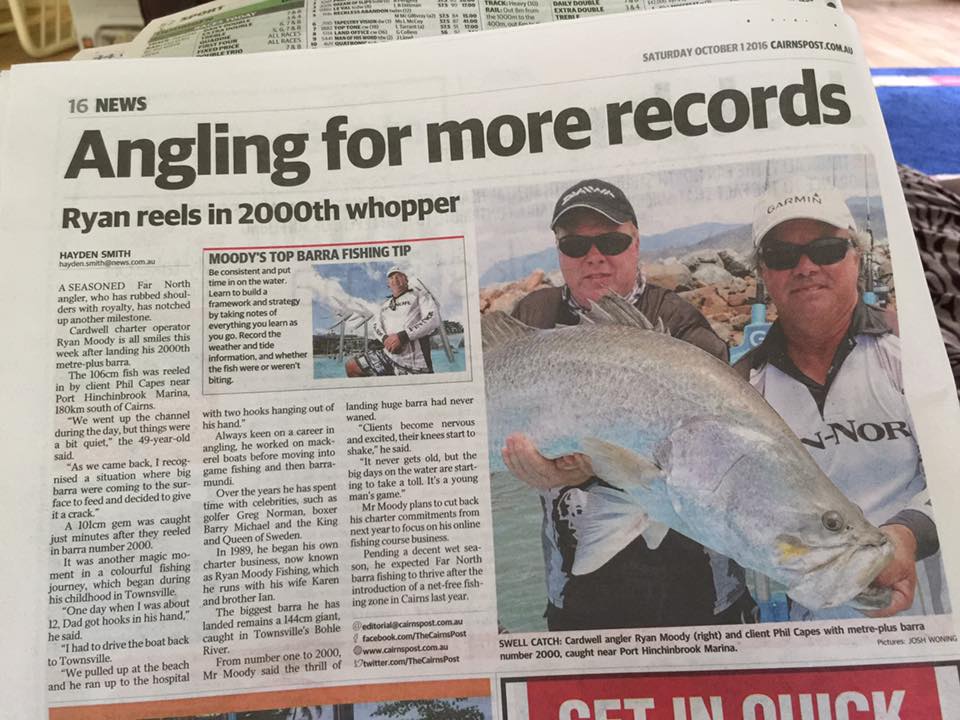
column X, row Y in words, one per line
column 404, row 324
column 679, row 583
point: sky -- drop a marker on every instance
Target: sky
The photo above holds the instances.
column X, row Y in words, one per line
column 361, row 286
column 514, row 220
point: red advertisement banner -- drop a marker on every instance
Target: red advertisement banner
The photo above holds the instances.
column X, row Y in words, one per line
column 877, row 693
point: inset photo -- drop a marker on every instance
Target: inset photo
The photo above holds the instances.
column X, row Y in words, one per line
column 399, row 310
column 696, row 412
column 462, row 699
column 433, row 709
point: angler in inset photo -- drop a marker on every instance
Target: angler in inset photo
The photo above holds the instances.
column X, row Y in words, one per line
column 830, row 365
column 418, row 328
column 403, row 323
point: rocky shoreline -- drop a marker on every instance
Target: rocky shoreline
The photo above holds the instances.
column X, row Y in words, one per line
column 719, row 283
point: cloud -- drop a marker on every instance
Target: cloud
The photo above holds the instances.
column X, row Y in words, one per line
column 373, row 273
column 330, row 293
column 439, row 266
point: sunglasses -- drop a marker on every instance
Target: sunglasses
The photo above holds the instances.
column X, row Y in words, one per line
column 822, row 251
column 611, row 243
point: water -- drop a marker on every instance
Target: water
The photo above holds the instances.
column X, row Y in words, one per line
column 521, row 586
column 327, row 367
column 521, row 583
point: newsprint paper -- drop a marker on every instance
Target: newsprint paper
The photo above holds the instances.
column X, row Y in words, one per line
column 241, row 26
column 233, row 27
column 395, row 382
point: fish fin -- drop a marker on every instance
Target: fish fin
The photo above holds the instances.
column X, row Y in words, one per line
column 614, row 310
column 619, row 466
column 615, row 518
column 604, row 521
column 655, row 533
column 498, row 329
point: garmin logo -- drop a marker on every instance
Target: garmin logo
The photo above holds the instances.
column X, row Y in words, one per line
column 854, row 432
column 794, row 200
column 588, row 189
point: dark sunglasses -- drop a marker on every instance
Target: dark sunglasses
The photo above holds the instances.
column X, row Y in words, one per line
column 611, row 243
column 822, row 251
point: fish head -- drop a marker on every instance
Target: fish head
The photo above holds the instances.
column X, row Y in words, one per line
column 817, row 540
column 835, row 553
column 757, row 496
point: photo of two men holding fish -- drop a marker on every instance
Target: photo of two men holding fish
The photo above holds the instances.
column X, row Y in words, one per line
column 639, row 479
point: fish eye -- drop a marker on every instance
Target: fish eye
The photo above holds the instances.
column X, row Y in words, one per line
column 832, row 521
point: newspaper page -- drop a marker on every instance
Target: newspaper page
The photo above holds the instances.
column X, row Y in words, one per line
column 387, row 393
column 107, row 52
column 230, row 27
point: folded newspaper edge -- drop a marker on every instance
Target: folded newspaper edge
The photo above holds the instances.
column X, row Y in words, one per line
column 260, row 369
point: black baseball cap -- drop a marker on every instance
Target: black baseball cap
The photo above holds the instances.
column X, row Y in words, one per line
column 597, row 195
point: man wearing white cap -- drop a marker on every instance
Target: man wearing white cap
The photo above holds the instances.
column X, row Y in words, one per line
column 679, row 582
column 404, row 324
column 830, row 365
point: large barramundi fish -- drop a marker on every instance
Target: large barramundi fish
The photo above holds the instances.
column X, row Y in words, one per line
column 681, row 441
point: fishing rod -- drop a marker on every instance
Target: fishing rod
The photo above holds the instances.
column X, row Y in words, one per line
column 756, row 330
column 870, row 281
column 444, row 341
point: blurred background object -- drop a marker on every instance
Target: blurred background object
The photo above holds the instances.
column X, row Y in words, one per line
column 42, row 28
column 105, row 22
column 895, row 33
column 151, row 9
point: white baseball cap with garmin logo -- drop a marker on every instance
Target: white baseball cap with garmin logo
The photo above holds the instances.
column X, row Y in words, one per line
column 799, row 201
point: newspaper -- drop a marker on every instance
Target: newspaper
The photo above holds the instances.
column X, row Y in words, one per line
column 107, row 52
column 255, row 406
column 230, row 27
column 102, row 23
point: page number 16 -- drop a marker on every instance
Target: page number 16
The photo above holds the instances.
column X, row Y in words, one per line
column 78, row 105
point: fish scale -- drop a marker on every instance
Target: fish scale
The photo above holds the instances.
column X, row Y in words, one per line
column 679, row 438
column 573, row 362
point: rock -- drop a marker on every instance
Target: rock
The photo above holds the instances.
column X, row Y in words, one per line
column 532, row 281
column 740, row 301
column 722, row 292
column 701, row 257
column 739, row 322
column 737, row 294
column 735, row 264
column 673, row 276
column 706, row 300
column 710, row 274
column 489, row 294
column 724, row 332
column 493, row 291
column 507, row 301
column 885, row 271
column 505, row 296
column 722, row 316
